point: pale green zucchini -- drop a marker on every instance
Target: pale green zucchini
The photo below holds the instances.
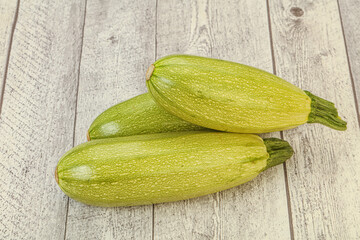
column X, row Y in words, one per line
column 232, row 97
column 164, row 167
column 138, row 115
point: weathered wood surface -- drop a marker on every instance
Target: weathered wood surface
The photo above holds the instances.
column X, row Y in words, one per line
column 324, row 173
column 237, row 32
column 70, row 60
column 118, row 45
column 36, row 124
column 8, row 13
column 350, row 16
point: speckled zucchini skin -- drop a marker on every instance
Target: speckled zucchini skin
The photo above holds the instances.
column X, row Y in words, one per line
column 138, row 115
column 232, row 97
column 164, row 167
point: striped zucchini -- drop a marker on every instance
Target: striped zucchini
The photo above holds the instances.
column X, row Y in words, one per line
column 164, row 167
column 232, row 97
column 139, row 115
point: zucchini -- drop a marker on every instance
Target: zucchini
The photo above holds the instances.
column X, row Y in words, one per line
column 139, row 115
column 164, row 167
column 232, row 97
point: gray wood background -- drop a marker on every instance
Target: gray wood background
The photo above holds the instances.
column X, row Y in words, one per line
column 64, row 62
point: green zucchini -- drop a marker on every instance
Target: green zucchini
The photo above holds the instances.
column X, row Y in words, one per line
column 139, row 115
column 164, row 167
column 232, row 97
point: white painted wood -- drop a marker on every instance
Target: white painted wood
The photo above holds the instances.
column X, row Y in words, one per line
column 36, row 123
column 7, row 19
column 324, row 177
column 119, row 45
column 237, row 31
column 350, row 15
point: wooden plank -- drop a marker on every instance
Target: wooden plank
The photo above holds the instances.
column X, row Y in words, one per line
column 323, row 178
column 36, row 125
column 350, row 14
column 119, row 44
column 236, row 31
column 7, row 23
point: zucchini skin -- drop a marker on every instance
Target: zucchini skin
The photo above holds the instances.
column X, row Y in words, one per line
column 232, row 97
column 138, row 115
column 165, row 167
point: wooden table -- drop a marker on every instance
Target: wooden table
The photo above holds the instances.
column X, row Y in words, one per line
column 64, row 62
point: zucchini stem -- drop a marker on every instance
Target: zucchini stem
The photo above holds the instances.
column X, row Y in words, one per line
column 279, row 151
column 149, row 72
column 325, row 112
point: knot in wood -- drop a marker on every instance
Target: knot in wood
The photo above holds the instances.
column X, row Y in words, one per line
column 296, row 11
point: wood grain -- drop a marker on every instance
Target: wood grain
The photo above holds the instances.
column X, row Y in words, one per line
column 37, row 118
column 119, row 45
column 350, row 15
column 237, row 31
column 323, row 177
column 8, row 10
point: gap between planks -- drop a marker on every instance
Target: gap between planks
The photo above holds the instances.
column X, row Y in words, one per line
column 8, row 54
column 76, row 104
column 349, row 65
column 287, row 190
column 155, row 40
